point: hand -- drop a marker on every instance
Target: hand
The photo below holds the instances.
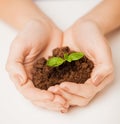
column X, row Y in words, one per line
column 36, row 40
column 87, row 38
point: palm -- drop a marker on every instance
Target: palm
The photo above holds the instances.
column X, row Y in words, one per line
column 39, row 44
column 88, row 39
column 35, row 41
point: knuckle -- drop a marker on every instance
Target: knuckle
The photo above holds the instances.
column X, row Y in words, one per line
column 90, row 93
column 84, row 102
column 9, row 67
column 109, row 69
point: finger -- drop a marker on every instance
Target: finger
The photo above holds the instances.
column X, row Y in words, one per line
column 31, row 93
column 72, row 99
column 100, row 72
column 57, row 104
column 60, row 100
column 83, row 90
column 50, row 106
column 43, row 98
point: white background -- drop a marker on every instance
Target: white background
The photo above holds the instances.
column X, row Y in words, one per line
column 14, row 109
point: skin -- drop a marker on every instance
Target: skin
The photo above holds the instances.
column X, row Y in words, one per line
column 26, row 48
column 85, row 35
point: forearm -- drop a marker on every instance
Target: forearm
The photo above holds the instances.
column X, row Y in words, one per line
column 106, row 15
column 18, row 12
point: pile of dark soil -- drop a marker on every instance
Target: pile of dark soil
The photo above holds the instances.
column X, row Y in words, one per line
column 76, row 71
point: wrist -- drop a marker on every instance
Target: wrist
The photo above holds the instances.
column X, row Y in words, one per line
column 35, row 18
column 84, row 22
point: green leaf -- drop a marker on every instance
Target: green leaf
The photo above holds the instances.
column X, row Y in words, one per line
column 65, row 56
column 55, row 61
column 75, row 56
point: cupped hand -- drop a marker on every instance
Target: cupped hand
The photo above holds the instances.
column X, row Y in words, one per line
column 36, row 40
column 87, row 38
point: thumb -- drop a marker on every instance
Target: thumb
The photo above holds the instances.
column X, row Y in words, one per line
column 14, row 64
column 100, row 72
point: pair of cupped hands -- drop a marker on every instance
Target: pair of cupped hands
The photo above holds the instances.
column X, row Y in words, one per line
column 38, row 39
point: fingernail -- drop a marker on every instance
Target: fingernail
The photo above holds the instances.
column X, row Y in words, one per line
column 63, row 110
column 95, row 81
column 64, row 86
column 20, row 79
column 52, row 89
column 66, row 105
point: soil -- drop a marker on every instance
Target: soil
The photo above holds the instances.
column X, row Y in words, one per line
column 76, row 71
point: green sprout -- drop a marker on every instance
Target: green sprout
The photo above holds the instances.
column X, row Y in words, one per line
column 57, row 61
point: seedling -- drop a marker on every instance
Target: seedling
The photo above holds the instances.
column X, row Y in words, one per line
column 57, row 61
